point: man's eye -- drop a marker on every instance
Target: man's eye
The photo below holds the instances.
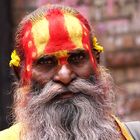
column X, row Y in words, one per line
column 47, row 61
column 77, row 58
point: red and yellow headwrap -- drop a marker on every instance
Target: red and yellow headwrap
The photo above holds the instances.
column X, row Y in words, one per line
column 55, row 30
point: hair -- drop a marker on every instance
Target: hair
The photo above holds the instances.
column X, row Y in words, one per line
column 86, row 116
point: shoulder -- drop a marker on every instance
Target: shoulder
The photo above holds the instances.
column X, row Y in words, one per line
column 134, row 129
column 11, row 133
column 123, row 129
column 130, row 130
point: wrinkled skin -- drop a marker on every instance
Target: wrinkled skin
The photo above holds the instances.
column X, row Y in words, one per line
column 84, row 112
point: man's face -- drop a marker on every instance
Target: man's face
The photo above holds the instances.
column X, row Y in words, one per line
column 62, row 69
column 71, row 103
column 59, row 42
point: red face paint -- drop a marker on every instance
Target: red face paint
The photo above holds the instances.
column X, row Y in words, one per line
column 60, row 41
column 29, row 51
column 86, row 41
column 59, row 37
column 63, row 60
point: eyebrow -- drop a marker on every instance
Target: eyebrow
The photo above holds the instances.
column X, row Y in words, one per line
column 76, row 51
column 46, row 56
column 69, row 53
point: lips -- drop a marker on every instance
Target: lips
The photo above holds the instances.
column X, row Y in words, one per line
column 65, row 95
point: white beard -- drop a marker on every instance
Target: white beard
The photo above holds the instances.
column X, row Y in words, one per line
column 86, row 116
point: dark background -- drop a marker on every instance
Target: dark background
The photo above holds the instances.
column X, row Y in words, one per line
column 6, row 45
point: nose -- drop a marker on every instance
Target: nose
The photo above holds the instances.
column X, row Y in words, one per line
column 64, row 75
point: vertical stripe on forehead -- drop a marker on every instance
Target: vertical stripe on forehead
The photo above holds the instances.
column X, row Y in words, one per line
column 74, row 29
column 59, row 36
column 86, row 41
column 29, row 50
column 40, row 31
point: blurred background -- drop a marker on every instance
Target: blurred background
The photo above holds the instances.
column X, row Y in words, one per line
column 116, row 24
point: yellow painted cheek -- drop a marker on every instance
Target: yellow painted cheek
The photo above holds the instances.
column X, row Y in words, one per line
column 40, row 32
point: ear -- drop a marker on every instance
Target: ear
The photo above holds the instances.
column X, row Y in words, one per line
column 97, row 48
column 97, row 55
column 15, row 64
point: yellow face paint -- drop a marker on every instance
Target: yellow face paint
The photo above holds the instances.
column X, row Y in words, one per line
column 74, row 29
column 55, row 33
column 41, row 35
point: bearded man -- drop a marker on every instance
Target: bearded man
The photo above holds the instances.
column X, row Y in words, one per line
column 61, row 91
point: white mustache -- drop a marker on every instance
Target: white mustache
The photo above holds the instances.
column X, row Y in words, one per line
column 52, row 89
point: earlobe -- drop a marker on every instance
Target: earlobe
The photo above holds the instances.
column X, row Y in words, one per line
column 97, row 55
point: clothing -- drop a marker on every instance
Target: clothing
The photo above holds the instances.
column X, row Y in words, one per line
column 134, row 129
column 124, row 131
column 13, row 132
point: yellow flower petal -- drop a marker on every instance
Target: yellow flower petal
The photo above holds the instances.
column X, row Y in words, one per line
column 97, row 46
column 15, row 60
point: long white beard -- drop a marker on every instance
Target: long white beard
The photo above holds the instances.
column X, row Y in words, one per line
column 86, row 116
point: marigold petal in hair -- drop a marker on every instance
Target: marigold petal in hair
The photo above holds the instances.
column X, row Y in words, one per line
column 97, row 46
column 15, row 60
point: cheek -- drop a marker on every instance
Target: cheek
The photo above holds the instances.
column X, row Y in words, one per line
column 42, row 76
column 85, row 71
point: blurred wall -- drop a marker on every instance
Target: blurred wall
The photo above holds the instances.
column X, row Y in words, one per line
column 117, row 23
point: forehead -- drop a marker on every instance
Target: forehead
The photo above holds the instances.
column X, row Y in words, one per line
column 57, row 33
column 65, row 53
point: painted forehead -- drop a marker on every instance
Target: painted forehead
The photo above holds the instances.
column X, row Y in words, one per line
column 56, row 33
